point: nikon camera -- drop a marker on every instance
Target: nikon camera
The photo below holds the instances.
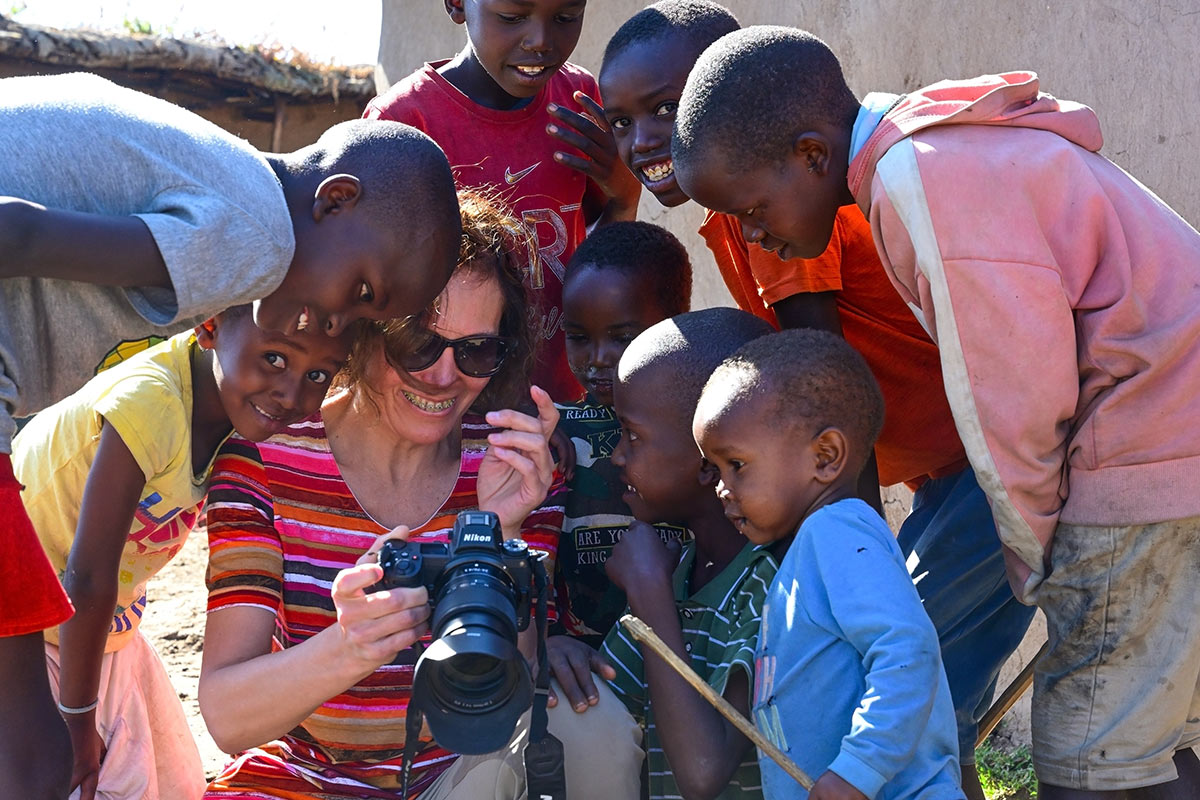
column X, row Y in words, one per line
column 471, row 683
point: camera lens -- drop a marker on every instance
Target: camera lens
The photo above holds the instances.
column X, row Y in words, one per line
column 472, row 683
column 475, row 681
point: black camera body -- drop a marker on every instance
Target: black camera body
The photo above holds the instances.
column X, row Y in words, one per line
column 477, row 549
column 471, row 683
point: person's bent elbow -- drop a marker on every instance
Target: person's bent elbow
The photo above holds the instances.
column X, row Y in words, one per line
column 221, row 716
column 18, row 221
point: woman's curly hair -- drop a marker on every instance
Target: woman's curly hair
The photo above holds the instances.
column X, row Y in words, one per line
column 494, row 245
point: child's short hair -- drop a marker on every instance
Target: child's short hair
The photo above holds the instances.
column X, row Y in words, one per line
column 644, row 251
column 753, row 91
column 689, row 347
column 700, row 22
column 389, row 159
column 812, row 379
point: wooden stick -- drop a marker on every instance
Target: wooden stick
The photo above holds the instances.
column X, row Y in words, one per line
column 1009, row 698
column 644, row 634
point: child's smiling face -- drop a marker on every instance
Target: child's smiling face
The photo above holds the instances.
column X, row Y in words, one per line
column 518, row 44
column 266, row 380
column 641, row 86
column 603, row 311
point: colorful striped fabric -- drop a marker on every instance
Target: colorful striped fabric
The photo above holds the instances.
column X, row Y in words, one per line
column 282, row 523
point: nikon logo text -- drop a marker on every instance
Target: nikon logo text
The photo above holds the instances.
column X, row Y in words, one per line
column 476, row 538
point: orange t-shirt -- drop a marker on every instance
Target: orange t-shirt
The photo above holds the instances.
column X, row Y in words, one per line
column 918, row 439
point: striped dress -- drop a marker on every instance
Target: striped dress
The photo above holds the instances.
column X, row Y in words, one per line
column 282, row 523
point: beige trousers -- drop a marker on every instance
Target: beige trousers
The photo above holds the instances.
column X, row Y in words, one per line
column 602, row 747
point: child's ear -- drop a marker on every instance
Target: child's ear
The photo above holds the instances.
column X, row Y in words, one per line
column 336, row 194
column 206, row 333
column 830, row 453
column 709, row 474
column 455, row 9
column 813, row 149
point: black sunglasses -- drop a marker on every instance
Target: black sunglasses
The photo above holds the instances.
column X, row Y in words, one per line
column 475, row 356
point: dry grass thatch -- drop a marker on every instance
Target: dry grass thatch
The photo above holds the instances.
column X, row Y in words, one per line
column 303, row 81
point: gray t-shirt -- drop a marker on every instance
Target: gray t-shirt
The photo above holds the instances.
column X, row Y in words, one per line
column 212, row 202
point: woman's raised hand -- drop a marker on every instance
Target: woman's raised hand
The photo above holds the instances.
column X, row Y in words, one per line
column 517, row 469
column 375, row 626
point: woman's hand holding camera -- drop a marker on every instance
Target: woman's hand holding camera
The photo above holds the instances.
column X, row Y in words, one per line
column 375, row 626
column 517, row 471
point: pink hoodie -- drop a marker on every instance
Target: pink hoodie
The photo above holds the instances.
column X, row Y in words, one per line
column 1065, row 300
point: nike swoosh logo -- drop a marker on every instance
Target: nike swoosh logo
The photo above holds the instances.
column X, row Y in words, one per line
column 511, row 177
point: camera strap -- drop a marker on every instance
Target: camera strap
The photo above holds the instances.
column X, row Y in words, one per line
column 545, row 774
column 412, row 734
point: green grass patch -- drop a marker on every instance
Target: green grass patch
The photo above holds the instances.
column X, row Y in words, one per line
column 1006, row 775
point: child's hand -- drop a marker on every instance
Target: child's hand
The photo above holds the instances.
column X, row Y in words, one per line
column 591, row 135
column 562, row 446
column 517, row 470
column 832, row 786
column 88, row 748
column 572, row 663
column 641, row 559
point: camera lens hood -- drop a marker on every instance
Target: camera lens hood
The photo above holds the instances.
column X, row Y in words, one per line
column 473, row 686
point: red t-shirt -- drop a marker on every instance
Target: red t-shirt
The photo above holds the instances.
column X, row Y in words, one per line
column 31, row 598
column 918, row 439
column 510, row 152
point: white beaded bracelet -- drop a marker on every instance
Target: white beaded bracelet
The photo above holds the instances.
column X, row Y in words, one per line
column 81, row 709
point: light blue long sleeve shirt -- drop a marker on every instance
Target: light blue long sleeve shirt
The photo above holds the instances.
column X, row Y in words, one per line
column 848, row 672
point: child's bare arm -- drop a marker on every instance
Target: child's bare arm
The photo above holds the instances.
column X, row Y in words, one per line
column 114, row 486
column 703, row 748
column 35, row 752
column 40, row 242
column 599, row 162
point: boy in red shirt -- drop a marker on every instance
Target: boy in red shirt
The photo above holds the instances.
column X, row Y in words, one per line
column 493, row 108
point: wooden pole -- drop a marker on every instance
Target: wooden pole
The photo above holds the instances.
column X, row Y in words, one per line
column 277, row 128
column 1009, row 698
column 644, row 634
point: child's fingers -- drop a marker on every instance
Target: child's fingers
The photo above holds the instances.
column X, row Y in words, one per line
column 588, row 168
column 564, row 449
column 601, row 667
column 590, row 143
column 571, row 679
column 593, row 109
column 583, row 124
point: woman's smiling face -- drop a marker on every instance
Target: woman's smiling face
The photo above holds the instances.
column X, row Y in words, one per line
column 427, row 406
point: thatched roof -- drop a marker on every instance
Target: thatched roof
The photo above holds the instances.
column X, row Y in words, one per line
column 179, row 62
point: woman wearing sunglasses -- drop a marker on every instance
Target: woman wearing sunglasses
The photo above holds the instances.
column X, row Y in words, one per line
column 297, row 653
